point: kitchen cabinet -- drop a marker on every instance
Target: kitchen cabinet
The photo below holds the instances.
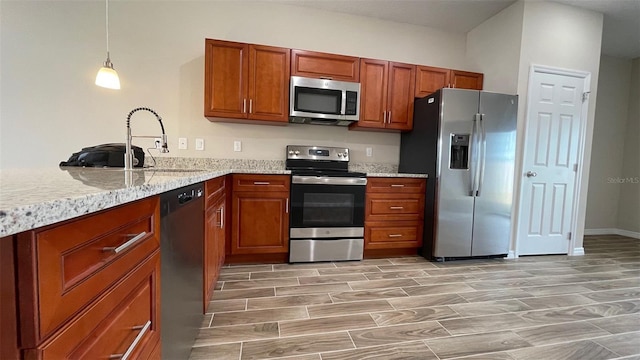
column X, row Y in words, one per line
column 214, row 235
column 246, row 82
column 260, row 215
column 394, row 213
column 325, row 66
column 386, row 95
column 466, row 80
column 429, row 79
column 89, row 287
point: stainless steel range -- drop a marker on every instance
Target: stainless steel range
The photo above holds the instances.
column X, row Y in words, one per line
column 327, row 205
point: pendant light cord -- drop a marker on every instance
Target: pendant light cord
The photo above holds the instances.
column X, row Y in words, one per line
column 107, row 27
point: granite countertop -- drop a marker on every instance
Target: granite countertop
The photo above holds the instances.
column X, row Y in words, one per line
column 31, row 198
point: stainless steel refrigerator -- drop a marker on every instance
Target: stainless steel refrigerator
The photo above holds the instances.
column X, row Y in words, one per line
column 465, row 140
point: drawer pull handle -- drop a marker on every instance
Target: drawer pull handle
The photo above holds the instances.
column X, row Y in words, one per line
column 143, row 330
column 287, row 206
column 124, row 246
column 221, row 211
column 395, row 235
column 261, row 183
column 396, row 207
column 397, row 185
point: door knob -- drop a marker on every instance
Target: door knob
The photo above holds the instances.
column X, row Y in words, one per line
column 531, row 174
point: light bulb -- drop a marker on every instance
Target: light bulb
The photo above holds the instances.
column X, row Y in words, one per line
column 107, row 77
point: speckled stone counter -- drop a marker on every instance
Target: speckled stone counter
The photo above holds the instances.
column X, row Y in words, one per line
column 31, row 198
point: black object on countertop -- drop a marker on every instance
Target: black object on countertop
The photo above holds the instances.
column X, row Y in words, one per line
column 105, row 155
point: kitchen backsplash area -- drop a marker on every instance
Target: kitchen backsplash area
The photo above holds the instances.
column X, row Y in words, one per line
column 275, row 165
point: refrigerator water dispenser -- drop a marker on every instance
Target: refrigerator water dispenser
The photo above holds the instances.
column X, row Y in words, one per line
column 459, row 157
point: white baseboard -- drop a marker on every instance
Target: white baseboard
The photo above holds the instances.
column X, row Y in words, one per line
column 579, row 251
column 511, row 255
column 631, row 234
column 600, row 231
column 612, row 231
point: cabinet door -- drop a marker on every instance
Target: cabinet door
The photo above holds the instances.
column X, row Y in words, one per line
column 269, row 83
column 373, row 93
column 226, row 79
column 402, row 80
column 213, row 222
column 429, row 79
column 260, row 222
column 324, row 66
column 466, row 80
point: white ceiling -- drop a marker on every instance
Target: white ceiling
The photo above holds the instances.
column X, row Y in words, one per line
column 621, row 33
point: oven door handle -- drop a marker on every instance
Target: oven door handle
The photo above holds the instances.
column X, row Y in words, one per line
column 328, row 180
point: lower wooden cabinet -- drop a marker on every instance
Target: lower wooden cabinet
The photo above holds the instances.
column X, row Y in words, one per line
column 89, row 288
column 394, row 214
column 124, row 321
column 214, row 235
column 260, row 219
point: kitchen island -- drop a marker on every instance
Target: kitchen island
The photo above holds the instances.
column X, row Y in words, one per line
column 60, row 231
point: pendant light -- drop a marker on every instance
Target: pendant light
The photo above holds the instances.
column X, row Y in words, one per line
column 107, row 77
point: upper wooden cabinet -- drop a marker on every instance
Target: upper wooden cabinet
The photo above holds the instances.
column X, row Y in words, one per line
column 466, row 80
column 429, row 79
column 325, row 66
column 245, row 81
column 386, row 95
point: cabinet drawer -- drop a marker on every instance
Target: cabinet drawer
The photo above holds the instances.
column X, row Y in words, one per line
column 73, row 263
column 125, row 319
column 396, row 185
column 325, row 66
column 214, row 188
column 384, row 235
column 392, row 207
column 251, row 182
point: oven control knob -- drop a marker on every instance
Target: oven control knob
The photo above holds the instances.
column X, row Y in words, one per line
column 297, row 152
column 290, row 152
column 339, row 154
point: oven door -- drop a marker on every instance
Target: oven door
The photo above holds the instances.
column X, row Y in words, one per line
column 319, row 202
column 326, row 218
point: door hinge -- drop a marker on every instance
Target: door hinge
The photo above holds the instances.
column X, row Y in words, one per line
column 569, row 236
column 575, row 167
column 585, row 96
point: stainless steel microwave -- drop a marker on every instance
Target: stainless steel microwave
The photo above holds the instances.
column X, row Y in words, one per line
column 322, row 101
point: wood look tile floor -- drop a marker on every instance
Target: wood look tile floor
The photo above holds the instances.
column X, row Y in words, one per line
column 538, row 308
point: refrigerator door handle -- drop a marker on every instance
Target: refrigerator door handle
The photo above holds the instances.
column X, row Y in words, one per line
column 483, row 154
column 474, row 157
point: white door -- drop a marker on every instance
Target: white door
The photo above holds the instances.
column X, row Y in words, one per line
column 552, row 138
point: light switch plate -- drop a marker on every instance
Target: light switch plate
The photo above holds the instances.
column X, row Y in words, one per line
column 182, row 143
column 237, row 145
column 369, row 151
column 199, row 144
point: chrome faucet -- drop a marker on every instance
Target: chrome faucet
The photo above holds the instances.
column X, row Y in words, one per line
column 128, row 156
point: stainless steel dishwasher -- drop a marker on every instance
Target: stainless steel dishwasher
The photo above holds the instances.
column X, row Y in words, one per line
column 181, row 242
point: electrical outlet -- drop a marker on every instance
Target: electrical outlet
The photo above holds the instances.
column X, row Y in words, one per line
column 237, row 145
column 199, row 144
column 157, row 143
column 182, row 143
column 369, row 152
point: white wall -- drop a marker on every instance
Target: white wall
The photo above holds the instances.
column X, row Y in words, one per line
column 629, row 205
column 493, row 48
column 566, row 37
column 607, row 151
column 51, row 51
